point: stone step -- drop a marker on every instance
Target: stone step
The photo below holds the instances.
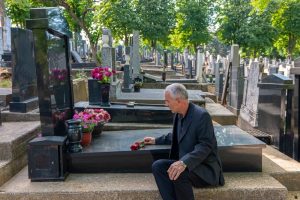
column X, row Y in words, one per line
column 20, row 117
column 239, row 186
column 14, row 137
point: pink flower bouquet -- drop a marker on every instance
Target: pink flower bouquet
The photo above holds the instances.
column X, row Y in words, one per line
column 103, row 74
column 91, row 118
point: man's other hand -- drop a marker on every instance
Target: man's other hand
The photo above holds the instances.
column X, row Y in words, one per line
column 175, row 170
column 149, row 140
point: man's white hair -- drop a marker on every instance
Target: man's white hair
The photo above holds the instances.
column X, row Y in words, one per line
column 177, row 90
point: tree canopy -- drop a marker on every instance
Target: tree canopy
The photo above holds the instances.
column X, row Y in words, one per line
column 260, row 27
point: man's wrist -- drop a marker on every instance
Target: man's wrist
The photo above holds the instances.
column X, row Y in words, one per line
column 183, row 164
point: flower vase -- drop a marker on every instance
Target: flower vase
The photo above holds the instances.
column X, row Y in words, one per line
column 74, row 135
column 94, row 95
column 98, row 130
column 105, row 87
column 137, row 88
column 86, row 139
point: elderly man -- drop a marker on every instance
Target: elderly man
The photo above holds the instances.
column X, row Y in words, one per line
column 194, row 159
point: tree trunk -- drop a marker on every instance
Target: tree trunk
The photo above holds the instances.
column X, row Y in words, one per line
column 291, row 45
column 126, row 40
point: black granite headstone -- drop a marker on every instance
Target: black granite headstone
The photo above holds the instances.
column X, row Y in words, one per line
column 52, row 55
column 274, row 110
column 295, row 110
column 24, row 82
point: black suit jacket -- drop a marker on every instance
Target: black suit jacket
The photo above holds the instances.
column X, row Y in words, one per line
column 197, row 145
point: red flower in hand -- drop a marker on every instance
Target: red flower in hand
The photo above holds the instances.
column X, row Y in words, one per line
column 137, row 146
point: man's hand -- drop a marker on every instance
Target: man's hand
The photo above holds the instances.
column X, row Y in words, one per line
column 149, row 140
column 176, row 169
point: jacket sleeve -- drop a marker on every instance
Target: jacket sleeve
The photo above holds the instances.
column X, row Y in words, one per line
column 205, row 142
column 165, row 139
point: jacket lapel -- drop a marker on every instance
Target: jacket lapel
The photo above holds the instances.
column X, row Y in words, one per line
column 187, row 122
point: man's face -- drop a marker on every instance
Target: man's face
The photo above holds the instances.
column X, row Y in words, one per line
column 173, row 104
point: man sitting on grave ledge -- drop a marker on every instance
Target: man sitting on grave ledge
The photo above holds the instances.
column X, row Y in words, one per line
column 194, row 159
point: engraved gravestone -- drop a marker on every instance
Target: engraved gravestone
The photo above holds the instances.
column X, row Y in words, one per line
column 24, row 82
column 136, row 55
column 249, row 107
column 219, row 80
column 236, row 83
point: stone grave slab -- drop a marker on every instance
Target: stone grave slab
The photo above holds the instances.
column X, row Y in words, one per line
column 110, row 152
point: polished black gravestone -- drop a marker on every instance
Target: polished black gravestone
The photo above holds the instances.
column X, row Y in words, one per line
column 138, row 113
column 24, row 82
column 295, row 110
column 239, row 152
column 52, row 55
column 55, row 94
column 274, row 110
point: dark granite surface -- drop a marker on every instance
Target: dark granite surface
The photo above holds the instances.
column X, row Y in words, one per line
column 110, row 152
column 109, row 141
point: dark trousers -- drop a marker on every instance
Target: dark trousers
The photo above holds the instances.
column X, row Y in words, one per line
column 180, row 189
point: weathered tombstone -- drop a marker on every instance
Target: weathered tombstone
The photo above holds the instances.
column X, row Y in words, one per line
column 127, row 87
column 189, row 73
column 273, row 70
column 24, row 82
column 113, row 62
column 274, row 110
column 185, row 58
column 51, row 42
column 219, row 80
column 200, row 61
column 158, row 57
column 172, row 61
column 106, row 50
column 295, row 110
column 136, row 55
column 249, row 111
column 236, row 84
column 6, row 34
column 119, row 53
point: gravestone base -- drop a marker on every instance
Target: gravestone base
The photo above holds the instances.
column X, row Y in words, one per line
column 249, row 116
column 111, row 152
column 127, row 90
column 24, row 106
column 137, row 113
column 235, row 111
